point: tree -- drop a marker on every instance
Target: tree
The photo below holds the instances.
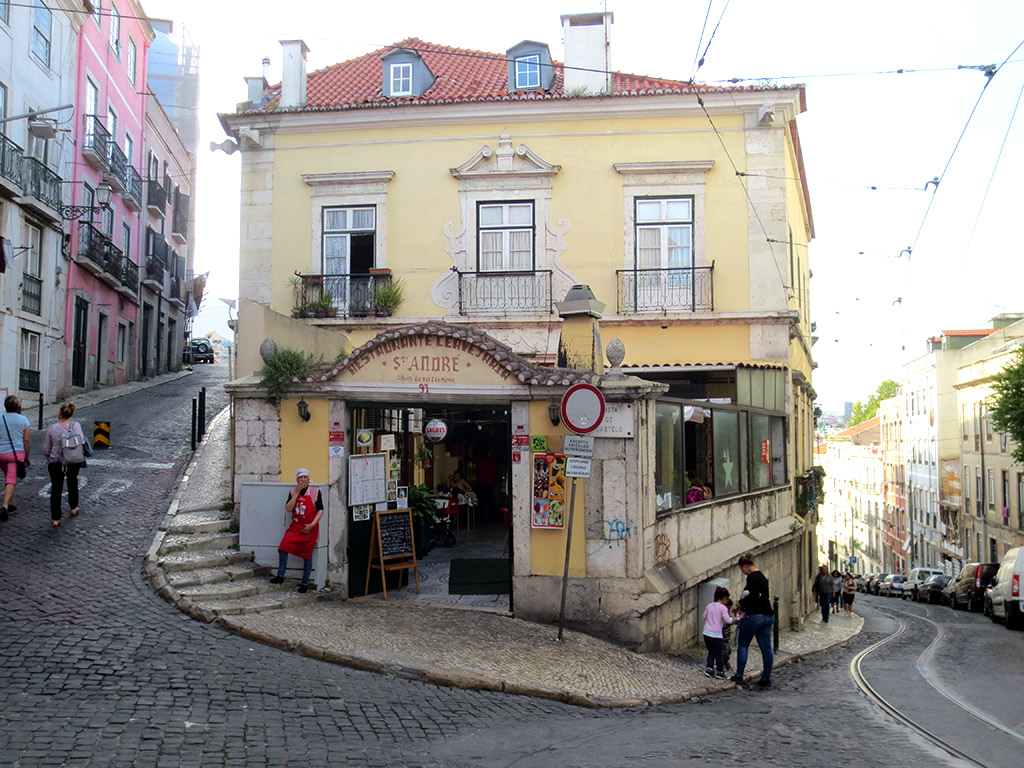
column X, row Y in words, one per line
column 863, row 411
column 1007, row 406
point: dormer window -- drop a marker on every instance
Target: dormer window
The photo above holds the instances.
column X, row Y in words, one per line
column 528, row 73
column 530, row 67
column 401, row 79
column 405, row 74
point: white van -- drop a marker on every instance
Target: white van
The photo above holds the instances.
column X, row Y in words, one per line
column 1003, row 600
column 915, row 579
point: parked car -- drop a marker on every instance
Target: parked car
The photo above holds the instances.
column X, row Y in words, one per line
column 1004, row 600
column 863, row 581
column 892, row 586
column 931, row 591
column 202, row 351
column 876, row 583
column 915, row 579
column 967, row 590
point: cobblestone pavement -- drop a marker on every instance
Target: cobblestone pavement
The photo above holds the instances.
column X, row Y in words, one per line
column 99, row 671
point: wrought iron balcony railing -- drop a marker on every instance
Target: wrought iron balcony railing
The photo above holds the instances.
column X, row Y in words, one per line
column 97, row 248
column 31, row 294
column 28, row 380
column 11, row 160
column 175, row 293
column 156, row 198
column 154, row 270
column 505, row 293
column 133, row 188
column 96, row 147
column 677, row 289
column 42, row 183
column 156, row 246
column 339, row 295
column 130, row 274
column 118, row 167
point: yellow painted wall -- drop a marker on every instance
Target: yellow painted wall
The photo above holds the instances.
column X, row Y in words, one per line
column 304, row 443
column 675, row 344
column 547, row 546
column 423, row 196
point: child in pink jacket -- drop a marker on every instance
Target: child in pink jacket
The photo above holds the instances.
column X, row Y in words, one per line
column 716, row 618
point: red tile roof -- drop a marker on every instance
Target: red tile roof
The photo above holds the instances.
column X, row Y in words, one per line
column 462, row 75
column 982, row 332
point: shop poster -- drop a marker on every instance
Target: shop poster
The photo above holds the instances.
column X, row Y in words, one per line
column 549, row 483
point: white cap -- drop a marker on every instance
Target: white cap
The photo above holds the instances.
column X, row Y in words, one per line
column 301, row 473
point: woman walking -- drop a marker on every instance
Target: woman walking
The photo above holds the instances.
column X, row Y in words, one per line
column 14, row 447
column 52, row 445
column 823, row 591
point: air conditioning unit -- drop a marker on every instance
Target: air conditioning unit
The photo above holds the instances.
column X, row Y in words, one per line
column 42, row 128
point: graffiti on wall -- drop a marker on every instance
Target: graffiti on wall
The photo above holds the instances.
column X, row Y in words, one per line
column 613, row 533
column 662, row 548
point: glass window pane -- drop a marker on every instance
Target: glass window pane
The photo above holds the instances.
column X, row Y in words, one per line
column 760, row 451
column 335, row 218
column 519, row 250
column 491, row 215
column 778, row 451
column 490, row 250
column 668, row 457
column 677, row 210
column 726, row 435
column 519, row 215
column 648, row 210
column 648, row 248
column 362, row 218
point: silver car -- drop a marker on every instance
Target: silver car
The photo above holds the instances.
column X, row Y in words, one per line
column 892, row 586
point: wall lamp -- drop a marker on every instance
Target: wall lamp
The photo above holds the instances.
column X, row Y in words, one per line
column 553, row 414
column 103, row 190
column 303, row 407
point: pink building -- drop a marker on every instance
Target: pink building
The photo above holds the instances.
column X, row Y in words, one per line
column 102, row 319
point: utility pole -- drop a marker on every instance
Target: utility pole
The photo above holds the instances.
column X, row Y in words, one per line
column 983, row 554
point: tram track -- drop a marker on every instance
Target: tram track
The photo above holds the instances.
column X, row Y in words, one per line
column 924, row 669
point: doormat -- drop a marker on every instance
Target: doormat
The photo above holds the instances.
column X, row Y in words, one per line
column 479, row 576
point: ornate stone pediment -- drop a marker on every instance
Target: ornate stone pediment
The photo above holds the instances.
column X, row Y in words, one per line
column 505, row 161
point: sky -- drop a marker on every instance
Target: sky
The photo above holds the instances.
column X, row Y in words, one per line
column 891, row 87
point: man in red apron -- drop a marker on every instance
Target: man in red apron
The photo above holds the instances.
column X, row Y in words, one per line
column 306, row 508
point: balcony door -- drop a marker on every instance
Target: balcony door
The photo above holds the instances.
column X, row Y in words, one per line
column 80, row 342
column 349, row 236
column 664, row 253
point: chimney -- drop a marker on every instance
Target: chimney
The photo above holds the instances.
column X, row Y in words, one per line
column 293, row 79
column 579, row 345
column 257, row 90
column 587, row 38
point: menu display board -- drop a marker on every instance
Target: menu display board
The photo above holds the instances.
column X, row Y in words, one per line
column 367, row 478
column 548, row 505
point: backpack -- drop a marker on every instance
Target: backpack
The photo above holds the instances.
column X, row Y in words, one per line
column 72, row 448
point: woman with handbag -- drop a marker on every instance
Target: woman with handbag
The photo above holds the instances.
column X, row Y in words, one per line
column 64, row 448
column 14, row 449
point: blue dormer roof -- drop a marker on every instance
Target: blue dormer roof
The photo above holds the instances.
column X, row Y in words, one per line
column 405, row 74
column 530, row 67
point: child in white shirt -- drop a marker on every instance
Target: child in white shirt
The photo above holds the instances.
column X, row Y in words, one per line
column 716, row 618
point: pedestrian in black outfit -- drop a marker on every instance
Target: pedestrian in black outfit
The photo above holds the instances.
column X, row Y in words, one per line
column 756, row 620
column 823, row 591
column 56, row 465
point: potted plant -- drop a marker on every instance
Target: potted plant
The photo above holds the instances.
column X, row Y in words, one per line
column 421, row 504
column 424, row 455
column 388, row 297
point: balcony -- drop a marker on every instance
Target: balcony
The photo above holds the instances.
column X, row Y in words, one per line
column 42, row 189
column 154, row 277
column 96, row 147
column 31, row 294
column 176, row 292
column 132, row 194
column 339, row 295
column 28, row 380
column 678, row 289
column 505, row 293
column 118, row 175
column 129, row 278
column 179, row 221
column 98, row 255
column 156, row 198
column 11, row 171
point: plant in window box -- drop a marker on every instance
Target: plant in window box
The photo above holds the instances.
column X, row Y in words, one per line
column 424, row 455
column 388, row 297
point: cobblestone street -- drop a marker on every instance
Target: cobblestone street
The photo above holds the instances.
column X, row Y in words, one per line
column 99, row 671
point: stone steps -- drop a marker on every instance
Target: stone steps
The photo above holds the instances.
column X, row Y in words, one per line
column 198, row 542
column 200, row 576
column 226, row 590
column 201, row 522
column 173, row 562
column 279, row 596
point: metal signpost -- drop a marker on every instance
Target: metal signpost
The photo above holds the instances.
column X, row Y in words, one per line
column 583, row 410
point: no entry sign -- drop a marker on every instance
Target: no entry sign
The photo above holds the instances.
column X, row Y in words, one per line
column 582, row 408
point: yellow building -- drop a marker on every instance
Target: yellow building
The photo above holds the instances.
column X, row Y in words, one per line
column 485, row 186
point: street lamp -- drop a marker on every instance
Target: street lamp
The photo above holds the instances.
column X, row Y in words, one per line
column 103, row 190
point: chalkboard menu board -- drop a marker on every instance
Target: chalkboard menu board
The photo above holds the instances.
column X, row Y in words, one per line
column 391, row 546
column 395, row 533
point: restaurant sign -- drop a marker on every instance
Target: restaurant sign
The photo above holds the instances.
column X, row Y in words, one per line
column 435, row 431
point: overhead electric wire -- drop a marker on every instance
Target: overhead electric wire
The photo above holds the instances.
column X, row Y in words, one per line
column 710, row 39
column 696, row 52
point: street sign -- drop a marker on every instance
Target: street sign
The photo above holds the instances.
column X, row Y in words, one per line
column 577, row 467
column 583, row 408
column 853, row 560
column 579, row 445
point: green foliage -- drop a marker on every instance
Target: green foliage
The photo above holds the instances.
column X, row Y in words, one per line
column 1007, row 406
column 421, row 503
column 283, row 366
column 863, row 411
column 388, row 297
column 341, row 357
